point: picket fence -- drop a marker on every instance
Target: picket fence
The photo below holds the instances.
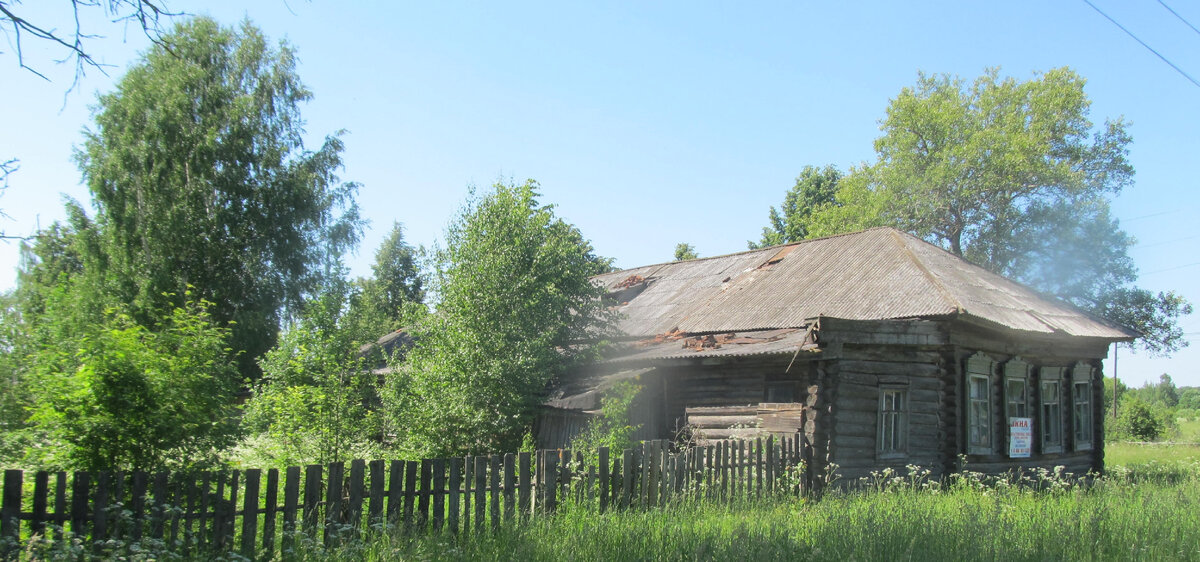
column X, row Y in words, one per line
column 241, row 511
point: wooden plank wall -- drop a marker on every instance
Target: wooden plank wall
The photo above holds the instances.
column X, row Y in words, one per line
column 259, row 514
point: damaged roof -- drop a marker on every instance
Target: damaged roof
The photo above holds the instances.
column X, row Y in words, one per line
column 876, row 274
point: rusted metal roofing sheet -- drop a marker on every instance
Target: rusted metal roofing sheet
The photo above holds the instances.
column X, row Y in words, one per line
column 788, row 342
column 875, row 274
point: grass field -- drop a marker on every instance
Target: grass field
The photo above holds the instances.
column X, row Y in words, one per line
column 1148, row 508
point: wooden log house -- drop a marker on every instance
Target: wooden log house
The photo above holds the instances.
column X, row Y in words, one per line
column 884, row 350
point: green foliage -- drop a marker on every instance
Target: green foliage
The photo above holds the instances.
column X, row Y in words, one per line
column 611, row 428
column 396, row 283
column 1013, row 176
column 124, row 396
column 1142, row 421
column 815, row 188
column 516, row 309
column 312, row 403
column 685, row 251
column 200, row 177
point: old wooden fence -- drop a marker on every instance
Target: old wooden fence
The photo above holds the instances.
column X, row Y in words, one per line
column 256, row 512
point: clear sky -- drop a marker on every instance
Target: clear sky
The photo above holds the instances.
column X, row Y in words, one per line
column 650, row 123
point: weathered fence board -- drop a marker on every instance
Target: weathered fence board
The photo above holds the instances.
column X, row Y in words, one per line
column 241, row 510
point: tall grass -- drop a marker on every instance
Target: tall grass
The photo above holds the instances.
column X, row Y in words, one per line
column 1151, row 514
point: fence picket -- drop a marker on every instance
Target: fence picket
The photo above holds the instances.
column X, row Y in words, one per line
column 250, row 512
column 510, row 482
column 312, row 498
column 602, row 456
column 291, row 497
column 333, row 502
column 439, row 493
column 410, row 492
column 272, row 506
column 10, row 508
column 354, row 506
column 395, row 492
column 456, row 469
column 480, row 485
column 375, row 500
column 523, row 494
column 425, row 494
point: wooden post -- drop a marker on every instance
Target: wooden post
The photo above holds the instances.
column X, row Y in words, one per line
column 358, row 470
column 456, row 468
column 205, row 500
column 480, row 491
column 510, row 482
column 375, row 503
column 312, row 499
column 333, row 502
column 272, row 506
column 10, row 510
column 250, row 513
column 426, row 492
column 410, row 492
column 439, row 494
column 602, row 453
column 395, row 493
column 41, row 492
column 524, row 470
column 627, row 478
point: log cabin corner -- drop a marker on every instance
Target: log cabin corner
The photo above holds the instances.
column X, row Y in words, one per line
column 881, row 349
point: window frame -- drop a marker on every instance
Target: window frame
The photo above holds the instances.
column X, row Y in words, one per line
column 1050, row 414
column 980, row 369
column 1015, row 370
column 899, row 422
column 1082, row 426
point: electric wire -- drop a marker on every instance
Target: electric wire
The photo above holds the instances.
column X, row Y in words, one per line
column 1143, row 43
column 1176, row 14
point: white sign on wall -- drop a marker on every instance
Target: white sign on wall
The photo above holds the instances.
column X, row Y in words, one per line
column 1020, row 437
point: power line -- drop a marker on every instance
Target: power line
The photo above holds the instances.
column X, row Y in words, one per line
column 1176, row 14
column 1171, row 268
column 1143, row 43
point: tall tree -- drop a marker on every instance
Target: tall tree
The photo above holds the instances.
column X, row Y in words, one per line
column 1011, row 175
column 814, row 187
column 200, row 178
column 395, row 285
column 516, row 309
column 685, row 251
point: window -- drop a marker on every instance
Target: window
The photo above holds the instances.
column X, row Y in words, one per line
column 1051, row 402
column 893, row 422
column 779, row 391
column 979, row 404
column 1081, row 414
column 1016, row 394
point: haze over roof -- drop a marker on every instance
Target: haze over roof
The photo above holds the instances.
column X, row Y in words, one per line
column 876, row 274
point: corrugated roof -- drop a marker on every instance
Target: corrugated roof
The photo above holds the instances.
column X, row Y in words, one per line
column 875, row 274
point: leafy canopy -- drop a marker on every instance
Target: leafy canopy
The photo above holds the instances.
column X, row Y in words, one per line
column 516, row 309
column 685, row 251
column 814, row 187
column 125, row 396
column 1011, row 175
column 200, row 177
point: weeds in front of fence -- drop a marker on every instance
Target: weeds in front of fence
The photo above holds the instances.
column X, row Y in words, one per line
column 898, row 515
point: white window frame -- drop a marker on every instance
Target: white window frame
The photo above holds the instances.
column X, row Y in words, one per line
column 979, row 422
column 892, row 436
column 1050, row 413
column 1082, row 409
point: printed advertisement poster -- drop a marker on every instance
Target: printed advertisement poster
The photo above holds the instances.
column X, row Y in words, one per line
column 1020, row 437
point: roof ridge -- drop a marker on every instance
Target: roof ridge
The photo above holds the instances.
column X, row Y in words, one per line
column 762, row 249
column 937, row 283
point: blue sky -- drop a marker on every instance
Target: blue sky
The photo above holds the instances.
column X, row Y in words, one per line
column 649, row 124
